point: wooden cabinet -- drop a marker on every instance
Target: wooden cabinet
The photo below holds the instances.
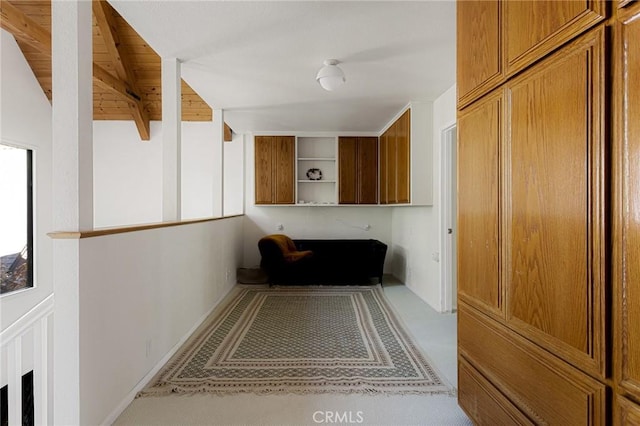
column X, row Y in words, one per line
column 533, row 29
column 533, row 245
column 498, row 39
column 479, row 139
column 274, row 169
column 554, row 203
column 358, row 170
column 395, row 145
column 626, row 238
column 479, row 49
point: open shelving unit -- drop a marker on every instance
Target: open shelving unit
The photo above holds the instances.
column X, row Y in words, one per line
column 315, row 152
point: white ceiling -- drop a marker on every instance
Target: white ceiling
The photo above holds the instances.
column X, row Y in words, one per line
column 257, row 60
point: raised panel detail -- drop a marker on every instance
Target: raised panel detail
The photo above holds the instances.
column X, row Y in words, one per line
column 555, row 261
column 627, row 217
column 483, row 402
column 626, row 413
column 536, row 28
column 479, row 136
column 478, row 48
column 546, row 389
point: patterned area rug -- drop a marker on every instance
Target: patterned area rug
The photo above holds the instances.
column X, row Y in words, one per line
column 300, row 340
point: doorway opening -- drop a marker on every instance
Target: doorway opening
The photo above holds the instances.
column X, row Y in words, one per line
column 449, row 213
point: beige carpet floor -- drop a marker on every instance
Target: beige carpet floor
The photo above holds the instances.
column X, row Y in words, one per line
column 435, row 334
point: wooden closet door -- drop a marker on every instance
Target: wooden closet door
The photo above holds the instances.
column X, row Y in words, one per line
column 479, row 138
column 479, row 49
column 263, row 169
column 555, row 194
column 348, row 180
column 367, row 168
column 403, row 161
column 284, row 152
column 626, row 271
column 536, row 28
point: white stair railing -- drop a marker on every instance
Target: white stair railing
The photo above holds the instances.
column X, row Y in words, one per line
column 27, row 343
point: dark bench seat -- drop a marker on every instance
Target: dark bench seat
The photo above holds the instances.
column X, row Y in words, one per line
column 342, row 261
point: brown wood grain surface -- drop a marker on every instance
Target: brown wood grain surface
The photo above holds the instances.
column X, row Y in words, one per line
column 367, row 168
column 347, row 164
column 403, row 158
column 479, row 139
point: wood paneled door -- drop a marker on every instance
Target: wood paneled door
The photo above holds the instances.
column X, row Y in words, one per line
column 554, row 199
column 479, row 139
column 274, row 169
column 358, row 170
column 626, row 273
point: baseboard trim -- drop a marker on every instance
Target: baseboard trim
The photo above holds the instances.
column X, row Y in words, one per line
column 111, row 418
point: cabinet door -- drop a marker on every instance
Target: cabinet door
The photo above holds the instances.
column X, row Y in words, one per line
column 403, row 184
column 627, row 216
column 264, row 169
column 284, row 157
column 478, row 49
column 367, row 169
column 348, row 181
column 555, row 194
column 392, row 165
column 384, row 180
column 536, row 28
column 479, row 138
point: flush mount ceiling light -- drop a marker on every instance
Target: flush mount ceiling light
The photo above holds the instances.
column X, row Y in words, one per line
column 330, row 76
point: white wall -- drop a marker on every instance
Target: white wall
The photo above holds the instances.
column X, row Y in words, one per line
column 234, row 175
column 417, row 230
column 307, row 221
column 146, row 288
column 198, row 153
column 25, row 121
column 128, row 173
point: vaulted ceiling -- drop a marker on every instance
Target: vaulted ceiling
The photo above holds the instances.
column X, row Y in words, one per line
column 126, row 70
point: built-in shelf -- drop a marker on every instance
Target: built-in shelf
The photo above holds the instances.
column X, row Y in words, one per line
column 316, row 152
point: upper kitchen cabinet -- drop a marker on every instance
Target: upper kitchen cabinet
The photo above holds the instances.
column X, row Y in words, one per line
column 274, row 169
column 406, row 158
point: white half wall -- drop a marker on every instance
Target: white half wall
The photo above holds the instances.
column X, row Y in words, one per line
column 417, row 240
column 307, row 221
column 141, row 293
column 234, row 175
column 25, row 122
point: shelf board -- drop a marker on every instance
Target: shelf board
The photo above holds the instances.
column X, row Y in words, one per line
column 316, row 181
column 316, row 159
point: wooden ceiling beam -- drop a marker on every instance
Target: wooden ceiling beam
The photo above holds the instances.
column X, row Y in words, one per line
column 24, row 28
column 106, row 20
column 29, row 31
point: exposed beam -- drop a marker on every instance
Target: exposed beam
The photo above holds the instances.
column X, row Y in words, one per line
column 24, row 28
column 29, row 31
column 106, row 21
column 228, row 133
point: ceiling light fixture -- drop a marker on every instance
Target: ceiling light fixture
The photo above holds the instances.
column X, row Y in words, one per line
column 330, row 76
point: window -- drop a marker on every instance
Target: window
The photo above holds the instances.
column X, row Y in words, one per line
column 16, row 219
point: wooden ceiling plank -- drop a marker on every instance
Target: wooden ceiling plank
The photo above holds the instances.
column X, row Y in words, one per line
column 105, row 18
column 26, row 29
